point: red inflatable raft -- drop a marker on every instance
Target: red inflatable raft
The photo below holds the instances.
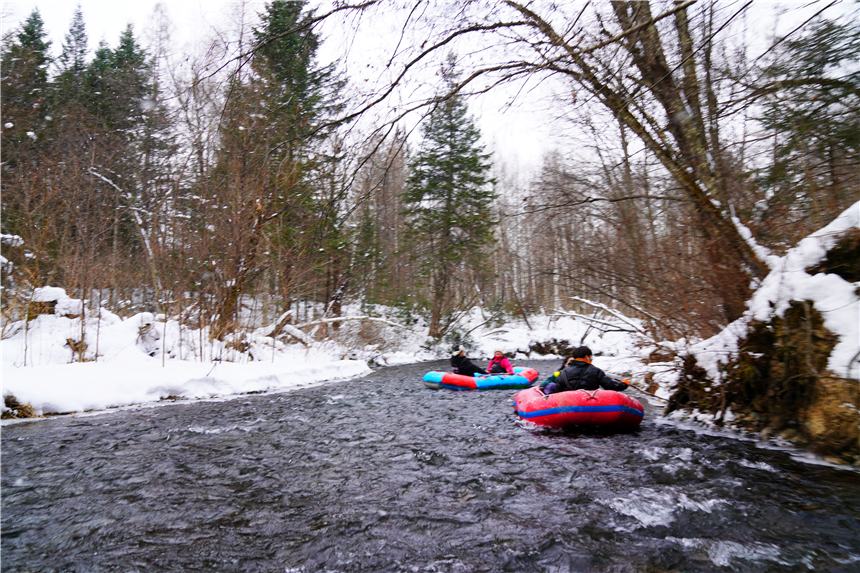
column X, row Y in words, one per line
column 605, row 409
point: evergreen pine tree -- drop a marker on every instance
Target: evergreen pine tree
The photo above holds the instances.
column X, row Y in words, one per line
column 116, row 83
column 448, row 198
column 25, row 115
column 273, row 172
column 368, row 259
column 24, row 87
column 814, row 108
column 70, row 82
column 299, row 94
column 300, row 99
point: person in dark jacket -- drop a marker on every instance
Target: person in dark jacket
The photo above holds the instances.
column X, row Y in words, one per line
column 554, row 376
column 463, row 365
column 579, row 374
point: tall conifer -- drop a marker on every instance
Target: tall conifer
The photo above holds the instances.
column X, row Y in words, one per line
column 275, row 166
column 70, row 82
column 448, row 197
column 24, row 91
column 25, row 116
column 116, row 82
column 813, row 107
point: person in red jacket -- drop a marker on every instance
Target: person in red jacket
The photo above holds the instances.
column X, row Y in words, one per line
column 499, row 364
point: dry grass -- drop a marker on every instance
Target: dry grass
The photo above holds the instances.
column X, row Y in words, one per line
column 18, row 410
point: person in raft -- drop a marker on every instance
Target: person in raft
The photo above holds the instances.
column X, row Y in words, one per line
column 554, row 376
column 499, row 364
column 463, row 365
column 579, row 374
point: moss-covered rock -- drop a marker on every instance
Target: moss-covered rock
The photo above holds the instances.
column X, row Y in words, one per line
column 779, row 384
column 692, row 391
column 831, row 422
column 36, row 308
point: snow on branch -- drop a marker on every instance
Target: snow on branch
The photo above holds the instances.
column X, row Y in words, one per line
column 597, row 321
column 297, row 334
column 611, row 311
column 295, row 330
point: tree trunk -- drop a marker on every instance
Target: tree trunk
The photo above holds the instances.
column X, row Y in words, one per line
column 681, row 145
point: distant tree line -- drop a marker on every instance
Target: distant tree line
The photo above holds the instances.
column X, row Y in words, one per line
column 205, row 188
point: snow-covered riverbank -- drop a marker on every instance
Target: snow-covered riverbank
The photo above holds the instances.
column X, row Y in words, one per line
column 140, row 359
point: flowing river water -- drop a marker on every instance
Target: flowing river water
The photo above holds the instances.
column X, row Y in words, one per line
column 382, row 474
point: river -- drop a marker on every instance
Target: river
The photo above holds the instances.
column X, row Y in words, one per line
column 381, row 474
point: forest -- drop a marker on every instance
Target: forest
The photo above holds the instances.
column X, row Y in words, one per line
column 254, row 180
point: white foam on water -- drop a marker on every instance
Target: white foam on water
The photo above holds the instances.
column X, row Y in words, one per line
column 652, row 454
column 675, row 466
column 655, row 508
column 758, row 466
column 685, row 454
column 706, row 506
column 220, row 430
column 722, row 553
column 649, row 507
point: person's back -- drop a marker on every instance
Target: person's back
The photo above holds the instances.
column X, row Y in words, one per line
column 554, row 376
column 580, row 374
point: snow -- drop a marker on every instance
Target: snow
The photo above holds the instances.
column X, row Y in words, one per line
column 141, row 360
column 81, row 387
column 11, row 240
column 761, row 252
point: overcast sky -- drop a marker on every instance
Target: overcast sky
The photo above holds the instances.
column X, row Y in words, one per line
column 106, row 20
column 517, row 131
column 522, row 133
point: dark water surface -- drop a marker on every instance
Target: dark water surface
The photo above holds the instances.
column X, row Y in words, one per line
column 383, row 474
